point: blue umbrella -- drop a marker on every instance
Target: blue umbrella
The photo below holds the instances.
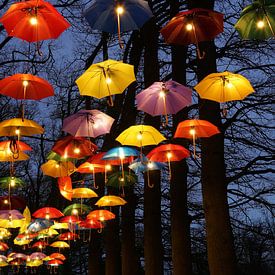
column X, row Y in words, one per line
column 139, row 167
column 120, row 152
column 118, row 16
column 39, row 224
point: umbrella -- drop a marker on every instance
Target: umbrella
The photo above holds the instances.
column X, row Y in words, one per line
column 88, row 123
column 4, row 233
column 40, row 245
column 257, row 20
column 74, row 147
column 34, row 20
column 60, row 244
column 67, row 236
column 223, row 87
column 21, row 242
column 65, row 187
column 163, row 98
column 37, row 256
column 3, row 258
column 74, row 218
column 54, row 156
column 193, row 26
column 91, row 224
column 12, row 202
column 7, row 182
column 27, row 220
column 60, row 225
column 57, row 256
column 20, row 127
column 101, row 215
column 14, row 146
column 106, row 79
column 3, row 246
column 118, row 16
column 77, row 209
column 139, row 166
column 110, row 201
column 83, row 193
column 168, row 153
column 195, row 128
column 47, row 232
column 9, row 156
column 38, row 225
column 34, row 263
column 57, row 169
column 116, row 179
column 48, row 213
column 55, row 262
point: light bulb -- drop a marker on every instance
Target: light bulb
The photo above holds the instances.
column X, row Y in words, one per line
column 192, row 131
column 6, row 201
column 162, row 94
column 139, row 136
column 229, row 85
column 119, row 10
column 76, row 150
column 260, row 24
column 189, row 27
column 101, row 219
column 108, row 167
column 12, row 182
column 108, row 80
column 121, row 179
column 57, row 165
column 169, row 155
column 150, row 165
column 91, row 167
column 33, row 21
column 17, row 131
column 25, row 83
column 75, row 212
column 47, row 216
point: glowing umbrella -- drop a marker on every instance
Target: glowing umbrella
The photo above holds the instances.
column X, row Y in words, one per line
column 195, row 128
column 88, row 123
column 38, row 225
column 9, row 156
column 57, row 157
column 27, row 220
column 60, row 225
column 101, row 215
column 257, row 20
column 57, row 169
column 110, row 201
column 65, row 187
column 34, row 20
column 67, row 236
column 40, row 245
column 48, row 213
column 106, row 79
column 223, row 87
column 57, row 256
column 71, row 219
column 77, row 209
column 3, row 246
column 34, row 263
column 83, row 193
column 12, row 202
column 193, row 26
column 7, row 182
column 163, row 98
column 60, row 245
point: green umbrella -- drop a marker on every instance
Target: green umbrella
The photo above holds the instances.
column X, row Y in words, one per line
column 80, row 209
column 116, row 179
column 7, row 182
column 57, row 157
column 257, row 20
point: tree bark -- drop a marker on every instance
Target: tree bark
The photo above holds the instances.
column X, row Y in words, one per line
column 220, row 248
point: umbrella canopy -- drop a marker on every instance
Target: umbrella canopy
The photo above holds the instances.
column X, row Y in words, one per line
column 257, row 20
column 89, row 168
column 34, row 262
column 193, row 26
column 223, row 87
column 60, row 244
column 55, row 262
column 57, row 256
column 57, row 157
column 74, row 218
column 60, row 225
column 110, row 201
column 40, row 245
column 117, row 180
column 88, row 123
column 57, row 169
column 91, row 224
column 19, row 127
column 117, row 153
column 106, row 78
column 67, row 236
column 9, row 156
column 74, row 147
column 26, row 86
column 77, row 209
column 143, row 166
column 12, row 202
column 3, row 246
column 34, row 20
column 48, row 213
column 83, row 193
column 65, row 187
column 38, row 225
column 140, row 135
column 14, row 146
column 163, row 98
column 7, row 182
column 101, row 215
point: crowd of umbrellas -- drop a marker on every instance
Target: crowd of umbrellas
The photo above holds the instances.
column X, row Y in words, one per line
column 37, row 20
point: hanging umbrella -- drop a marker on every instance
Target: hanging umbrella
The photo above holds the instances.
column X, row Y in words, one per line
column 34, row 263
column 110, row 201
column 88, row 123
column 7, row 182
column 18, row 256
column 48, row 213
column 195, row 128
column 83, row 193
column 12, row 202
column 3, row 258
column 60, row 244
column 40, row 245
column 3, row 246
column 74, row 147
column 57, row 169
column 77, row 209
column 139, row 166
column 257, row 20
column 116, row 179
column 106, row 79
column 118, row 16
column 4, row 233
column 27, row 220
column 74, row 218
column 60, row 225
column 223, row 87
column 163, row 98
column 67, row 236
column 193, row 26
column 20, row 127
column 21, row 242
column 65, row 187
column 57, row 256
column 168, row 153
column 34, row 20
column 54, row 156
column 101, row 215
column 9, row 156
column 38, row 225
column 91, row 224
column 14, row 146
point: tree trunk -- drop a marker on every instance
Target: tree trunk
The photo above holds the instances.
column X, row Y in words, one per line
column 180, row 221
column 153, row 251
column 221, row 255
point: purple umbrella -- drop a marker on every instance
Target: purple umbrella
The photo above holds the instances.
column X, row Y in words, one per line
column 163, row 98
column 88, row 123
column 37, row 256
column 10, row 215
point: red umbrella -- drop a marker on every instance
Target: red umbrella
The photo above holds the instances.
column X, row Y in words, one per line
column 34, row 20
column 40, row 244
column 101, row 215
column 67, row 236
column 74, row 147
column 195, row 128
column 168, row 153
column 71, row 219
column 12, row 202
column 47, row 213
column 92, row 224
column 65, row 187
column 3, row 246
column 192, row 27
column 55, row 262
column 57, row 256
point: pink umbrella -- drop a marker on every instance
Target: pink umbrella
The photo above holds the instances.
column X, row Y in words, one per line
column 163, row 98
column 88, row 123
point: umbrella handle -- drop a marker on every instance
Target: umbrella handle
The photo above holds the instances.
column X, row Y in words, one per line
column 99, row 230
column 200, row 55
column 148, row 181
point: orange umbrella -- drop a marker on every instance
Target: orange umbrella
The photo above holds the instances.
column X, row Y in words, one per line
column 14, row 145
column 47, row 213
column 3, row 246
column 65, row 187
column 67, row 236
column 195, row 128
column 101, row 215
column 57, row 256
column 40, row 245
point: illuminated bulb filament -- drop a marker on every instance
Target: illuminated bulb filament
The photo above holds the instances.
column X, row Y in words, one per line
column 33, row 21
column 108, row 80
column 25, row 83
column 57, row 166
column 17, row 131
column 12, row 182
column 260, row 24
column 162, row 94
column 76, row 150
column 192, row 132
column 139, row 136
column 189, row 27
column 229, row 85
column 47, row 216
column 108, row 167
column 119, row 10
column 75, row 212
column 150, row 165
column 6, row 201
column 169, row 155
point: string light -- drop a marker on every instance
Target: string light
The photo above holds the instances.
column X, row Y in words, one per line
column 260, row 24
column 162, row 94
column 139, row 136
column 150, row 165
column 17, row 131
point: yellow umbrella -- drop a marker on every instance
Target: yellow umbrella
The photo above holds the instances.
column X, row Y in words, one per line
column 110, row 201
column 140, row 135
column 3, row 263
column 60, row 244
column 57, row 169
column 83, row 193
column 21, row 242
column 4, row 233
column 19, row 127
column 60, row 225
column 105, row 79
column 49, row 231
column 34, row 263
column 11, row 223
column 26, row 221
column 223, row 87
